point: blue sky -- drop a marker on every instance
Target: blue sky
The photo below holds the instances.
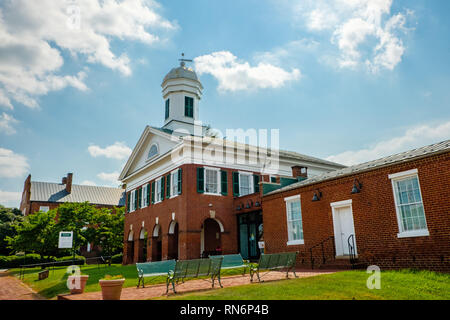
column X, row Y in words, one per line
column 346, row 80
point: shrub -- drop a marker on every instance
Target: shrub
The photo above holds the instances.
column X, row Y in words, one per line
column 117, row 258
column 17, row 261
column 79, row 260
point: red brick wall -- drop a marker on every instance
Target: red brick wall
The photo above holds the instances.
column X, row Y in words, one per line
column 191, row 210
column 374, row 216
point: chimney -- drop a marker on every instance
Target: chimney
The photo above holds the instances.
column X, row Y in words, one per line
column 68, row 182
column 299, row 171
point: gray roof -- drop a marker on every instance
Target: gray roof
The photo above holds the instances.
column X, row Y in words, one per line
column 410, row 155
column 56, row 192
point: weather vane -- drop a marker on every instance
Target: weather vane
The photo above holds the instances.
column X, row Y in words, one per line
column 183, row 61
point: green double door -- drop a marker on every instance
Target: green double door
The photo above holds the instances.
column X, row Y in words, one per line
column 250, row 232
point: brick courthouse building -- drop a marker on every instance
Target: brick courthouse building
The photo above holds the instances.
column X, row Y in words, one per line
column 190, row 195
column 392, row 212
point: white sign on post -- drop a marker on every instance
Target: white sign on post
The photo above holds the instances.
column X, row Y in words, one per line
column 261, row 244
column 65, row 240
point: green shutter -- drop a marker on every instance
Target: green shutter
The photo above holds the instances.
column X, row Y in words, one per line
column 224, row 182
column 256, row 183
column 135, row 199
column 180, row 174
column 128, row 202
column 168, row 186
column 162, row 188
column 153, row 192
column 236, row 184
column 200, row 180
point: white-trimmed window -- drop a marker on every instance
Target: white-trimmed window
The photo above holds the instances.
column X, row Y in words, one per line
column 294, row 220
column 153, row 152
column 212, row 181
column 245, row 183
column 133, row 201
column 144, row 196
column 44, row 208
column 158, row 193
column 174, row 183
column 408, row 204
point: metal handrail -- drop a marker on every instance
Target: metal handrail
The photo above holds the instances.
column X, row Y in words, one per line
column 53, row 263
column 351, row 248
column 323, row 250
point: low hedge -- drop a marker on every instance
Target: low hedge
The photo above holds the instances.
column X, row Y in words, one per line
column 10, row 262
column 117, row 258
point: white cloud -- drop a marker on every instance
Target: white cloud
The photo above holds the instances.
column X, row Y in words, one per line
column 10, row 199
column 88, row 183
column 112, row 177
column 35, row 34
column 234, row 75
column 365, row 31
column 12, row 165
column 288, row 53
column 6, row 122
column 116, row 151
column 413, row 138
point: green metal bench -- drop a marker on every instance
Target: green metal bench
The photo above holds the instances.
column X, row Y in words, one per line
column 232, row 261
column 274, row 261
column 152, row 269
column 193, row 269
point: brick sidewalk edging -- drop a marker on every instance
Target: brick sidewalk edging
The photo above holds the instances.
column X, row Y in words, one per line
column 12, row 288
column 153, row 291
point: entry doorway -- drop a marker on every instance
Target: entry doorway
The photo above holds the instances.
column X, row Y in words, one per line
column 250, row 232
column 173, row 241
column 343, row 227
column 157, row 244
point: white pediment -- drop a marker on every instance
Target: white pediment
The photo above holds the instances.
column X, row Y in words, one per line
column 141, row 156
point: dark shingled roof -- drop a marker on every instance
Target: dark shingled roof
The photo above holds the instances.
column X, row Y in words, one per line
column 56, row 192
column 410, row 155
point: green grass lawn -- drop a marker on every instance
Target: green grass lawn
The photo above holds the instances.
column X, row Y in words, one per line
column 405, row 284
column 56, row 282
column 395, row 285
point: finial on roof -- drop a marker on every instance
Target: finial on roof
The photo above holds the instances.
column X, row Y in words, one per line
column 183, row 61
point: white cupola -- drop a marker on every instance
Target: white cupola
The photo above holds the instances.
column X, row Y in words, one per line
column 182, row 92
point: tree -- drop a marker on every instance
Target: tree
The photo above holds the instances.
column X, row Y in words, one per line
column 35, row 234
column 8, row 218
column 107, row 231
column 79, row 218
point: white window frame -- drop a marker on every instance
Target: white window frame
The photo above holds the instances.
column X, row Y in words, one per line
column 156, row 154
column 251, row 183
column 174, row 183
column 396, row 177
column 44, row 208
column 219, row 184
column 144, row 196
column 288, row 201
column 158, row 190
column 132, row 203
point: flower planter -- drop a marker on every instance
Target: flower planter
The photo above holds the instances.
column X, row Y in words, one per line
column 77, row 287
column 111, row 289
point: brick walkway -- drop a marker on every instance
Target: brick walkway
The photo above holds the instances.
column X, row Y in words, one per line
column 12, row 288
column 192, row 285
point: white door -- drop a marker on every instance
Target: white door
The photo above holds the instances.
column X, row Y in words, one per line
column 343, row 219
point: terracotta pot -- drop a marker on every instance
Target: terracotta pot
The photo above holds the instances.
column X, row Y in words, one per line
column 111, row 289
column 82, row 283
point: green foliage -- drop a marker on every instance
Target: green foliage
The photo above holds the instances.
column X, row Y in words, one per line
column 108, row 231
column 36, row 234
column 8, row 218
column 32, row 258
column 117, row 258
column 39, row 232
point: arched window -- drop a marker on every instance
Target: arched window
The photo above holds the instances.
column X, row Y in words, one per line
column 153, row 151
